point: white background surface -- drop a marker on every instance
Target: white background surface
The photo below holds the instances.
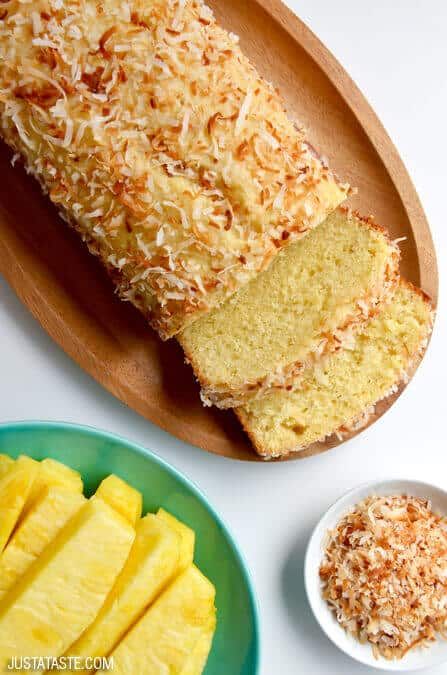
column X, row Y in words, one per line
column 396, row 51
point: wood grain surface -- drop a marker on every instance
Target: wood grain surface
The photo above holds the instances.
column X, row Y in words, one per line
column 70, row 295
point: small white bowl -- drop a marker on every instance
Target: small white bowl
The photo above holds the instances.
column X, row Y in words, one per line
column 416, row 659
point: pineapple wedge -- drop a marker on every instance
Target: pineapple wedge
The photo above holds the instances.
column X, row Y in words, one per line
column 61, row 593
column 37, row 529
column 167, row 634
column 6, row 463
column 122, row 497
column 152, row 562
column 52, row 473
column 15, row 487
column 196, row 663
column 187, row 538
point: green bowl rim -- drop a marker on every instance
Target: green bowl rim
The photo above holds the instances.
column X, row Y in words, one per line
column 141, row 450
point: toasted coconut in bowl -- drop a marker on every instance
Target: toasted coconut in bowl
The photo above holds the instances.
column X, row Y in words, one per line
column 376, row 574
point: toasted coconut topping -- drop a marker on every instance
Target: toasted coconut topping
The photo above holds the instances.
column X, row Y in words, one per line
column 122, row 109
column 384, row 574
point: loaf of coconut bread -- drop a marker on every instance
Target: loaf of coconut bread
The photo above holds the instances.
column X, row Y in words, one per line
column 176, row 162
column 339, row 394
column 311, row 301
column 161, row 144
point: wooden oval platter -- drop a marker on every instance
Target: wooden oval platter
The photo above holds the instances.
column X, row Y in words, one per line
column 70, row 295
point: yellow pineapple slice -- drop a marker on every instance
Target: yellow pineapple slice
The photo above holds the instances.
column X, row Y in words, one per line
column 61, row 593
column 187, row 538
column 54, row 474
column 15, row 487
column 122, row 497
column 167, row 634
column 38, row 528
column 196, row 662
column 152, row 562
column 6, row 463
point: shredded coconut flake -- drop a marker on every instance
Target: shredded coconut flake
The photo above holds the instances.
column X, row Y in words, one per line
column 36, row 22
column 243, row 112
column 185, row 127
column 279, row 199
column 68, row 133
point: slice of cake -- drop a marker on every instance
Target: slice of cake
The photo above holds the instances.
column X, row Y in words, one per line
column 161, row 144
column 340, row 392
column 311, row 301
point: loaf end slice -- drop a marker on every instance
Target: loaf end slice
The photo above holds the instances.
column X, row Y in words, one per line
column 339, row 394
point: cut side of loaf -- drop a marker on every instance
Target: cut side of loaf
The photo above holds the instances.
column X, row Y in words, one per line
column 339, row 394
column 311, row 301
column 161, row 144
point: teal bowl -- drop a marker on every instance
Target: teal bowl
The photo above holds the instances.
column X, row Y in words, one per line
column 95, row 454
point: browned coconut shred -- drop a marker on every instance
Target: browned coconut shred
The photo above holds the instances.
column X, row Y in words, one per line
column 384, row 574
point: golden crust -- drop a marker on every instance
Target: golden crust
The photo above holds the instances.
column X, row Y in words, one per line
column 160, row 144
